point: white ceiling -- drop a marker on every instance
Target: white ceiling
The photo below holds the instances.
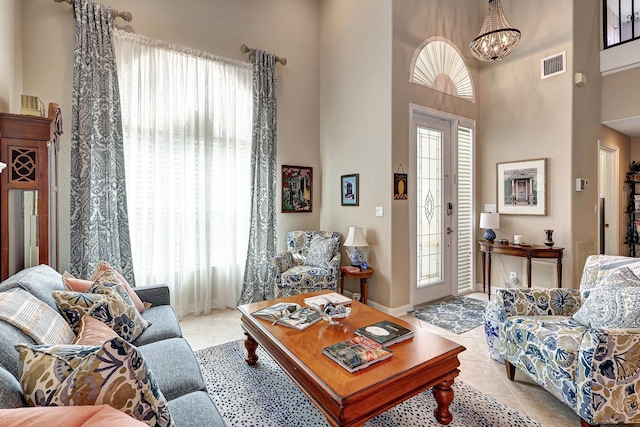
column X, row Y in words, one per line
column 629, row 127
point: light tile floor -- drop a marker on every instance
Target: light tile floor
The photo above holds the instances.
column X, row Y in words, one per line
column 477, row 368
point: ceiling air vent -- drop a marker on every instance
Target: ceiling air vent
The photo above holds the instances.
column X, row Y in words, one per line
column 554, row 64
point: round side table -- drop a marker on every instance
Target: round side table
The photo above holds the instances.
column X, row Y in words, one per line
column 363, row 275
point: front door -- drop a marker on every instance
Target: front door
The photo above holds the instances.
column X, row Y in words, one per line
column 432, row 209
column 441, row 210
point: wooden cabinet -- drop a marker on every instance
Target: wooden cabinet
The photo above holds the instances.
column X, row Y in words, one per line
column 25, row 188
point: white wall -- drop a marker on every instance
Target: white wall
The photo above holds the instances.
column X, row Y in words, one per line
column 11, row 54
column 355, row 135
column 288, row 28
column 523, row 117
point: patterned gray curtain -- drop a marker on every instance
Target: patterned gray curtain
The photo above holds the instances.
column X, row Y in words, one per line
column 262, row 234
column 99, row 220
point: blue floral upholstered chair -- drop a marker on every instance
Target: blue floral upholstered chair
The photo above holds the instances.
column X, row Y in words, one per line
column 311, row 263
column 583, row 346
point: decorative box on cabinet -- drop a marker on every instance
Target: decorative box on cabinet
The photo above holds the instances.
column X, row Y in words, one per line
column 25, row 192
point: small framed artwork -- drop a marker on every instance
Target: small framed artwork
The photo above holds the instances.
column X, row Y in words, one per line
column 399, row 186
column 297, row 182
column 349, row 187
column 522, row 187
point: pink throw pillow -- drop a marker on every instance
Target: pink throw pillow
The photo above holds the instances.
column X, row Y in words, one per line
column 93, row 332
column 76, row 285
column 67, row 416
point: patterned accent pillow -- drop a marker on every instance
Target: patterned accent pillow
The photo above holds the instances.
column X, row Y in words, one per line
column 610, row 307
column 115, row 374
column 34, row 317
column 321, row 250
column 93, row 332
column 103, row 267
column 107, row 302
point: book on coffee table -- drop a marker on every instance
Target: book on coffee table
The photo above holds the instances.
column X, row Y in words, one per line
column 290, row 314
column 318, row 302
column 385, row 332
column 356, row 353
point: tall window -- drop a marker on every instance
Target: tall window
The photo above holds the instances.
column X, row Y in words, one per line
column 187, row 138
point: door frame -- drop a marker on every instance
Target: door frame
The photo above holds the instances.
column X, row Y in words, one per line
column 454, row 121
column 614, row 222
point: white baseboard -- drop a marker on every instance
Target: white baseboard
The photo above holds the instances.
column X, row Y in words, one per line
column 398, row 311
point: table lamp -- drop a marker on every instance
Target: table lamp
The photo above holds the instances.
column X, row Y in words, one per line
column 355, row 237
column 490, row 221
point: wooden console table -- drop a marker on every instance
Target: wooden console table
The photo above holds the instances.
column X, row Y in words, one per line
column 527, row 251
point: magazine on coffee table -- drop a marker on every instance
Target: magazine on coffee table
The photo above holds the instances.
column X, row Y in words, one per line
column 289, row 314
column 385, row 332
column 356, row 353
column 319, row 301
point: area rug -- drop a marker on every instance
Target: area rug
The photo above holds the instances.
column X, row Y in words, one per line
column 264, row 396
column 455, row 314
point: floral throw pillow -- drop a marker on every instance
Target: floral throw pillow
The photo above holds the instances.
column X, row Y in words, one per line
column 610, row 307
column 107, row 302
column 115, row 374
column 321, row 250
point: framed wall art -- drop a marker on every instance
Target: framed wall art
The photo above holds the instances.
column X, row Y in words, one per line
column 349, row 187
column 522, row 187
column 297, row 183
column 399, row 186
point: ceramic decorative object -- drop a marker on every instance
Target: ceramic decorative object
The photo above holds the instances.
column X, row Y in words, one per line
column 549, row 241
column 355, row 256
column 489, row 235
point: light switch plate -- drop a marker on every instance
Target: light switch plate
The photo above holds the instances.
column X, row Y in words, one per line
column 379, row 211
column 490, row 208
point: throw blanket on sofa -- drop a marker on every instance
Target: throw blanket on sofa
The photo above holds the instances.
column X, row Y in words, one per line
column 34, row 317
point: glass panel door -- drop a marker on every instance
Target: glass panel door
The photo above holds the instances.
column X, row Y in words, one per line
column 442, row 207
column 432, row 209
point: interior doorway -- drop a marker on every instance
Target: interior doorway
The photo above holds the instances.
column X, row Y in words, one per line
column 608, row 199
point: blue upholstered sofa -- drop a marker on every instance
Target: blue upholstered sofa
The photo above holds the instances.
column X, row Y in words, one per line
column 583, row 345
column 311, row 263
column 167, row 354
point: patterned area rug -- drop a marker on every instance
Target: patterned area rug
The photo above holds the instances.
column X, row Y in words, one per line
column 456, row 314
column 264, row 396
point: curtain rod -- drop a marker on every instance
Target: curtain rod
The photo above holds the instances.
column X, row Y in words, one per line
column 250, row 51
column 116, row 14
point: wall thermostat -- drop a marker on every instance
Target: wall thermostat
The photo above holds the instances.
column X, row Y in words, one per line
column 581, row 184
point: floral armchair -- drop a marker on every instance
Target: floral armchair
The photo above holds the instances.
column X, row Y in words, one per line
column 583, row 346
column 311, row 263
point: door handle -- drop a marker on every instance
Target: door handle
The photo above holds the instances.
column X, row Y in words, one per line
column 449, row 230
column 606, row 226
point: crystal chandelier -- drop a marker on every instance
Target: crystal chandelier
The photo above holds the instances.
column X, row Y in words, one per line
column 497, row 38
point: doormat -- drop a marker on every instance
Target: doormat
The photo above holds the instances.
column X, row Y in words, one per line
column 456, row 314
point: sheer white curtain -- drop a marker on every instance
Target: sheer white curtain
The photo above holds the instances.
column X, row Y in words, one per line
column 187, row 138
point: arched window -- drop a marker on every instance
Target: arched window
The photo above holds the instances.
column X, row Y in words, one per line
column 438, row 64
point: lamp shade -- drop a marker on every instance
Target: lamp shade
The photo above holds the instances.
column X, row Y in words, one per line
column 355, row 237
column 490, row 220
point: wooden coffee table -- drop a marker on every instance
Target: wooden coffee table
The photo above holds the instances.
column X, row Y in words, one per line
column 427, row 360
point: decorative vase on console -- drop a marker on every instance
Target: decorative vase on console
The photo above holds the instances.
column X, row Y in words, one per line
column 549, row 241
